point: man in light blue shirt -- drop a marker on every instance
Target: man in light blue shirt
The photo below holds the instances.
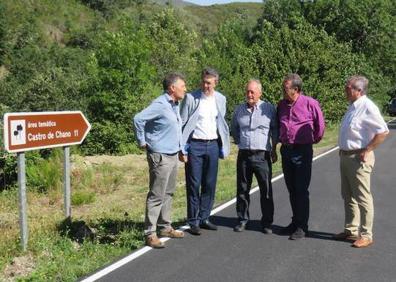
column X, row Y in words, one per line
column 158, row 131
column 254, row 129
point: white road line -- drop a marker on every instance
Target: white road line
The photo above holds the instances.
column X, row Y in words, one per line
column 325, row 153
column 144, row 250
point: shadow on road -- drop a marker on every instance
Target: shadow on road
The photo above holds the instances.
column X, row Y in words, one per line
column 255, row 225
column 224, row 221
column 320, row 235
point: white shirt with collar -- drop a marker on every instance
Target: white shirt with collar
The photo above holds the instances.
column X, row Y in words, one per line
column 360, row 124
column 207, row 124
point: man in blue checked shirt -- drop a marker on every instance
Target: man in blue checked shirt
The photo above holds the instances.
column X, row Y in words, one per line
column 254, row 129
column 158, row 131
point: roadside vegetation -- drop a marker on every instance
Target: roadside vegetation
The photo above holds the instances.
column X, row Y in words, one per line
column 108, row 201
column 108, row 58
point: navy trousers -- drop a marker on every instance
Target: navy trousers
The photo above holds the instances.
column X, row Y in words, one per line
column 201, row 178
column 297, row 168
column 257, row 163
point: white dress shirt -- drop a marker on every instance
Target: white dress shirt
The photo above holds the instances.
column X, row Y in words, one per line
column 207, row 124
column 360, row 124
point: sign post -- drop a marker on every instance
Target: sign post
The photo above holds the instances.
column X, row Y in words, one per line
column 40, row 130
column 66, row 181
column 22, row 200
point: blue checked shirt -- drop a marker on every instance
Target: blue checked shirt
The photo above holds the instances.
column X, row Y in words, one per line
column 254, row 129
column 159, row 126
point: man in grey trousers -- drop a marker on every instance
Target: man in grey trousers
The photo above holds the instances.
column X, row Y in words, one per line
column 158, row 131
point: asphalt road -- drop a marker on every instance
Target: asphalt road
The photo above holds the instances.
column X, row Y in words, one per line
column 225, row 255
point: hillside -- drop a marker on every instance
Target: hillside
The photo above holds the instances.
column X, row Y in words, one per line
column 208, row 18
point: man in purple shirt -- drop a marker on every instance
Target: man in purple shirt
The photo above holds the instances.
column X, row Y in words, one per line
column 301, row 124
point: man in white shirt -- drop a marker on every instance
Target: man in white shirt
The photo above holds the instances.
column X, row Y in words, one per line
column 362, row 130
column 205, row 139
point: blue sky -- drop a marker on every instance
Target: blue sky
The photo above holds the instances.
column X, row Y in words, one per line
column 211, row 2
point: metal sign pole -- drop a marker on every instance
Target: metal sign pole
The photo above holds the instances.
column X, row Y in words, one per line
column 66, row 181
column 22, row 200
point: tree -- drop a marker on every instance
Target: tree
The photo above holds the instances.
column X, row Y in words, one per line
column 228, row 52
column 121, row 83
column 173, row 44
column 370, row 26
column 323, row 63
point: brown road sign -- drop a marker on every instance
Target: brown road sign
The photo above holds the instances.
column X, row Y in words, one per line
column 39, row 130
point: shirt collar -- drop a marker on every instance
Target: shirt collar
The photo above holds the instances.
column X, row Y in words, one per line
column 358, row 101
column 203, row 96
column 170, row 100
column 259, row 102
column 287, row 102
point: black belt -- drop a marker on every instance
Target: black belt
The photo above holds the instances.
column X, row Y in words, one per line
column 252, row 152
column 248, row 153
column 203, row 140
column 168, row 154
column 295, row 146
column 172, row 154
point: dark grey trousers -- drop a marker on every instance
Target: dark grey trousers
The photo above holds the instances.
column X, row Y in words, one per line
column 257, row 163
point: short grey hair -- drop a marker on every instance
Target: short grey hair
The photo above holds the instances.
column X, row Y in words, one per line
column 258, row 82
column 296, row 81
column 210, row 72
column 358, row 82
column 171, row 79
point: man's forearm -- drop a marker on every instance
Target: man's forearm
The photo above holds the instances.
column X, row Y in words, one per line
column 377, row 140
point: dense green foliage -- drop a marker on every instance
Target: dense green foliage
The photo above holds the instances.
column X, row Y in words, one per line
column 107, row 58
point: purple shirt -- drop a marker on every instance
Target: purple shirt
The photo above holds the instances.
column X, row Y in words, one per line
column 301, row 122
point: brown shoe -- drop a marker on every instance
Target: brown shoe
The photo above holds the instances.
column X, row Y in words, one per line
column 343, row 236
column 362, row 242
column 153, row 241
column 171, row 233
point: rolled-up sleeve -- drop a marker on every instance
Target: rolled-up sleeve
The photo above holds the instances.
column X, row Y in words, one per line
column 375, row 121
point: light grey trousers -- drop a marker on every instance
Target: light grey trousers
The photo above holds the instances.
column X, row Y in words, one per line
column 163, row 175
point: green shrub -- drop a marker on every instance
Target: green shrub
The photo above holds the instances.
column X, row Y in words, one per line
column 81, row 197
column 44, row 175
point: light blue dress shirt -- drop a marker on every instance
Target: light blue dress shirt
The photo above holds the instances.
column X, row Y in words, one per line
column 253, row 130
column 159, row 126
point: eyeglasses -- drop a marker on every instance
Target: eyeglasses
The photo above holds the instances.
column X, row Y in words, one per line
column 352, row 88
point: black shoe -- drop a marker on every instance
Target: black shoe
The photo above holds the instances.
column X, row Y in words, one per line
column 240, row 227
column 288, row 230
column 267, row 229
column 208, row 225
column 298, row 234
column 195, row 230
